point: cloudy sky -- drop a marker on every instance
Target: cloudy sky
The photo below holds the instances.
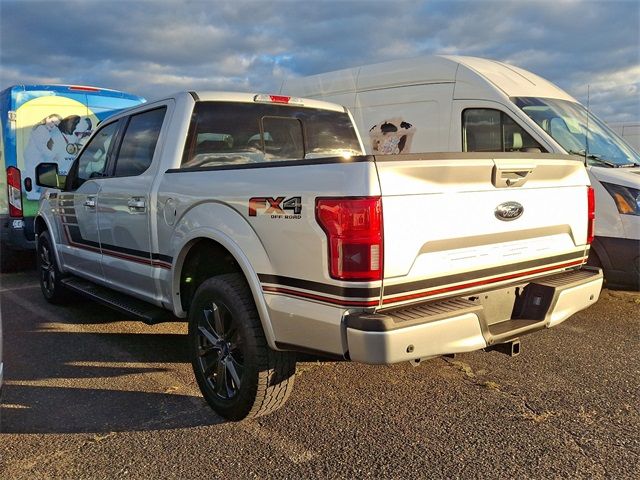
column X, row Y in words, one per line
column 156, row 47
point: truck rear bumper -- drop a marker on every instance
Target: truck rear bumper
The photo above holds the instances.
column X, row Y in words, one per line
column 468, row 323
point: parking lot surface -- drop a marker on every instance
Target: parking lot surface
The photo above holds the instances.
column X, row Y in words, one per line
column 91, row 394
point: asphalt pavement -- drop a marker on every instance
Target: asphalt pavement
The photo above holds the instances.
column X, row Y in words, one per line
column 91, row 394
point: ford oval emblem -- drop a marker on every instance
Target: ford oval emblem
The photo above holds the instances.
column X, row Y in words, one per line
column 508, row 211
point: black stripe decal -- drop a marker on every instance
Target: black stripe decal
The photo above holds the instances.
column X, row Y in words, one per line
column 162, row 258
column 283, row 163
column 348, row 292
column 127, row 251
column 478, row 274
column 76, row 236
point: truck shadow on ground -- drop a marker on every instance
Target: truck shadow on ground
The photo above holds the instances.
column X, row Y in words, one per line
column 61, row 381
column 28, row 409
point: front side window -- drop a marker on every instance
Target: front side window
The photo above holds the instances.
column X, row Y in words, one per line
column 93, row 160
column 139, row 143
column 490, row 130
column 223, row 133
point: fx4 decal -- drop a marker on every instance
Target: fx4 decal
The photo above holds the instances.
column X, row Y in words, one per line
column 276, row 207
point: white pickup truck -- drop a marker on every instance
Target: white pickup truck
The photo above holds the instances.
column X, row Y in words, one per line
column 258, row 219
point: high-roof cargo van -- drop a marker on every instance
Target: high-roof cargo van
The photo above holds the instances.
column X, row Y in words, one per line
column 42, row 123
column 467, row 104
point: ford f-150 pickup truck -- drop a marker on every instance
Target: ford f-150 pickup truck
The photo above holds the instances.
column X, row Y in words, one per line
column 258, row 219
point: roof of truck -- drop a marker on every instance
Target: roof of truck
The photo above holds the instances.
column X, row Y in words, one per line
column 511, row 80
column 216, row 96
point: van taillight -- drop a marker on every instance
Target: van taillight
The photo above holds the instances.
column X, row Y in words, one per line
column 14, row 191
column 354, row 232
column 591, row 216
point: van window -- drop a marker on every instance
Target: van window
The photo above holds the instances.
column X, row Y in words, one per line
column 226, row 133
column 489, row 130
column 93, row 159
column 139, row 142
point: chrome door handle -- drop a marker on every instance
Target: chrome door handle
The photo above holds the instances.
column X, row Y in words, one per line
column 90, row 202
column 137, row 204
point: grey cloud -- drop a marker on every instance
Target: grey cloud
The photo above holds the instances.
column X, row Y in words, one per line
column 153, row 48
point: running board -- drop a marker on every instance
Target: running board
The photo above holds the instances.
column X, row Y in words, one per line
column 147, row 313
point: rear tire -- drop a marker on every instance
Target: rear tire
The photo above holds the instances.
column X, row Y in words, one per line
column 238, row 374
column 594, row 259
column 49, row 273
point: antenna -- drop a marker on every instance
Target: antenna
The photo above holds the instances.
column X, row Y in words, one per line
column 586, row 136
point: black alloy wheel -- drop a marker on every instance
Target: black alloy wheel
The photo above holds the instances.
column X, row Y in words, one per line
column 220, row 356
column 238, row 374
column 47, row 270
column 49, row 273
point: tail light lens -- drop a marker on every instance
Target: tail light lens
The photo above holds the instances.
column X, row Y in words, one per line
column 591, row 216
column 14, row 191
column 354, row 231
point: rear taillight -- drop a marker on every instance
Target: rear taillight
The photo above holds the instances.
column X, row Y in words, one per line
column 591, row 215
column 14, row 192
column 354, row 232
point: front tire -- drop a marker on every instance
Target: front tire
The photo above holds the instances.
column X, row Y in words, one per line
column 238, row 374
column 49, row 273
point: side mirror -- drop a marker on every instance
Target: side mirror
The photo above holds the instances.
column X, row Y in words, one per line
column 47, row 176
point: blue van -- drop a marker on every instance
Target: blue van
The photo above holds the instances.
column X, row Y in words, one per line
column 42, row 123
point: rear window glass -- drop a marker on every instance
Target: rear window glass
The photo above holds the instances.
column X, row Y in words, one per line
column 224, row 133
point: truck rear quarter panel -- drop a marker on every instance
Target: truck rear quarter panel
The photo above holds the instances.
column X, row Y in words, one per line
column 283, row 254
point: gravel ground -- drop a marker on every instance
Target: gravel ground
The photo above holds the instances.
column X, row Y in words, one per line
column 90, row 394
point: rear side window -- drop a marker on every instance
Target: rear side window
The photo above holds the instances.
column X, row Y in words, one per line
column 488, row 130
column 224, row 133
column 139, row 143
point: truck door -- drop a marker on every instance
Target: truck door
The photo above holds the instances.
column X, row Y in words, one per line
column 77, row 207
column 124, row 215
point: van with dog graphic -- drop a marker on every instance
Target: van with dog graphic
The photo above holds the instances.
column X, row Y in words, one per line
column 42, row 123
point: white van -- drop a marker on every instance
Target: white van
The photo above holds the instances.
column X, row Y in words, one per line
column 467, row 104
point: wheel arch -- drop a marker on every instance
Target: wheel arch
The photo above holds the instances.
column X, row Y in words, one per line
column 43, row 224
column 202, row 243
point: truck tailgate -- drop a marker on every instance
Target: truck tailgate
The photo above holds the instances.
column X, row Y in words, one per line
column 457, row 223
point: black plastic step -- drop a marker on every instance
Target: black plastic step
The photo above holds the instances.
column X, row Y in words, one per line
column 409, row 316
column 149, row 314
